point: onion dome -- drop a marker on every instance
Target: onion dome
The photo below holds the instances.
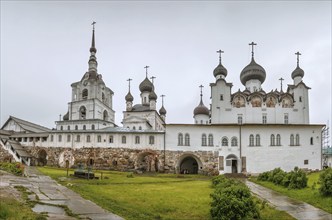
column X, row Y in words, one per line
column 152, row 95
column 162, row 111
column 146, row 85
column 201, row 109
column 66, row 117
column 252, row 71
column 220, row 70
column 298, row 71
column 129, row 97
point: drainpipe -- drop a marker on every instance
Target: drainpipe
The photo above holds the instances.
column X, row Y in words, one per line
column 240, row 137
column 165, row 148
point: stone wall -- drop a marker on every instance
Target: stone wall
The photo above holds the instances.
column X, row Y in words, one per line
column 123, row 159
column 5, row 156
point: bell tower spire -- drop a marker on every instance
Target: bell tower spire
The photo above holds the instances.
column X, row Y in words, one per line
column 93, row 60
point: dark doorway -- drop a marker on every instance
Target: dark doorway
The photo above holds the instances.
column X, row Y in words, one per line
column 42, row 155
column 234, row 166
column 189, row 166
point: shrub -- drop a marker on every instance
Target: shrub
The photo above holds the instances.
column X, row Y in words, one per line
column 325, row 180
column 277, row 176
column 233, row 202
column 263, row 176
column 222, row 181
column 298, row 179
column 14, row 168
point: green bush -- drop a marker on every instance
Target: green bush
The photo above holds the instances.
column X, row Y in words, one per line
column 264, row 176
column 325, row 180
column 231, row 199
column 277, row 176
column 14, row 168
column 298, row 179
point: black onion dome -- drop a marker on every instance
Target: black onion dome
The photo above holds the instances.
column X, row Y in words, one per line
column 162, row 111
column 297, row 72
column 129, row 97
column 146, row 85
column 152, row 95
column 201, row 109
column 252, row 71
column 220, row 70
column 66, row 117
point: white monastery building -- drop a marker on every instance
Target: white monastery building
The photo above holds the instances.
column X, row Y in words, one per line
column 248, row 131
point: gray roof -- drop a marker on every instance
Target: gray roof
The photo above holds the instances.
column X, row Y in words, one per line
column 28, row 126
column 141, row 108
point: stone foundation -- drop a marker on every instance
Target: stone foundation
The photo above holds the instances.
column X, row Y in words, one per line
column 5, row 156
column 123, row 159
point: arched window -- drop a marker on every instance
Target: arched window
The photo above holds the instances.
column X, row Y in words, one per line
column 105, row 116
column 203, row 139
column 258, row 140
column 224, row 141
column 311, row 141
column 92, row 127
column 68, row 138
column 272, row 140
column 82, row 112
column 291, row 141
column 278, row 140
column 134, row 128
column 84, row 127
column 297, row 140
column 140, row 128
column 78, row 138
column 210, row 140
column 123, row 139
column 88, row 138
column 68, row 128
column 111, row 138
column 52, row 137
column 187, row 140
column 180, row 139
column 137, row 140
column 151, row 140
column 251, row 140
column 76, row 127
column 234, row 141
column 59, row 138
column 98, row 138
column 85, row 94
column 61, row 128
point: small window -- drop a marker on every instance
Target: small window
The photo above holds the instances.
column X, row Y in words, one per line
column 251, row 140
column 291, row 141
column 258, row 140
column 203, row 139
column 52, row 137
column 98, row 138
column 82, row 112
column 180, row 139
column 68, row 138
column 85, row 94
column 140, row 128
column 311, row 141
column 210, row 140
column 239, row 119
column 272, row 140
column 297, row 140
column 134, row 128
column 59, row 138
column 68, row 128
column 187, row 140
column 137, row 140
column 78, row 138
column 306, row 162
column 123, row 139
column 264, row 119
column 224, row 141
column 88, row 139
column 151, row 140
column 61, row 128
column 300, row 99
column 111, row 139
column 92, row 127
column 234, row 142
column 84, row 127
column 278, row 140
column 286, row 118
column 76, row 127
column 221, row 97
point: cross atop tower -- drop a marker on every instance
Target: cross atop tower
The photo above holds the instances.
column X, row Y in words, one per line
column 129, row 83
column 281, row 79
column 152, row 78
column 146, row 70
column 201, row 87
column 162, row 99
column 93, row 25
column 252, row 44
column 298, row 54
column 220, row 52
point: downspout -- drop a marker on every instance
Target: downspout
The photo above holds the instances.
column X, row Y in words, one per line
column 240, row 137
column 165, row 148
column 321, row 147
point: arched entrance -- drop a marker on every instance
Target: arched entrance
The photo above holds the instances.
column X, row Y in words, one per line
column 42, row 158
column 147, row 162
column 189, row 164
column 231, row 164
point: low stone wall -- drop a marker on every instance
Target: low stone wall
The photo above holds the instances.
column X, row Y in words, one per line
column 124, row 159
column 5, row 156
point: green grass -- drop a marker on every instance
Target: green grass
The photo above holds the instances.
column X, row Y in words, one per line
column 11, row 209
column 309, row 194
column 150, row 196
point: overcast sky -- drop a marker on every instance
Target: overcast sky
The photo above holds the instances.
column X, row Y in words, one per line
column 45, row 47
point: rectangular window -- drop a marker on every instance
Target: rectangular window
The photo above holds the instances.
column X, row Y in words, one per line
column 123, row 139
column 221, row 97
column 306, row 162
column 151, row 140
column 68, row 138
column 111, row 139
column 137, row 140
column 300, row 99
column 52, row 138
column 286, row 119
column 264, row 118
column 78, row 138
column 239, row 119
column 99, row 139
column 59, row 138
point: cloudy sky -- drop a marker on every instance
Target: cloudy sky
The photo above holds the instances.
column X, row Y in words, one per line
column 45, row 47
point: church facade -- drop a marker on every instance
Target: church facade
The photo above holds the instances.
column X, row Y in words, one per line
column 248, row 131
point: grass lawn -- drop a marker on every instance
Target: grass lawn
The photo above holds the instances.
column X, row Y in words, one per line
column 154, row 196
column 309, row 194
